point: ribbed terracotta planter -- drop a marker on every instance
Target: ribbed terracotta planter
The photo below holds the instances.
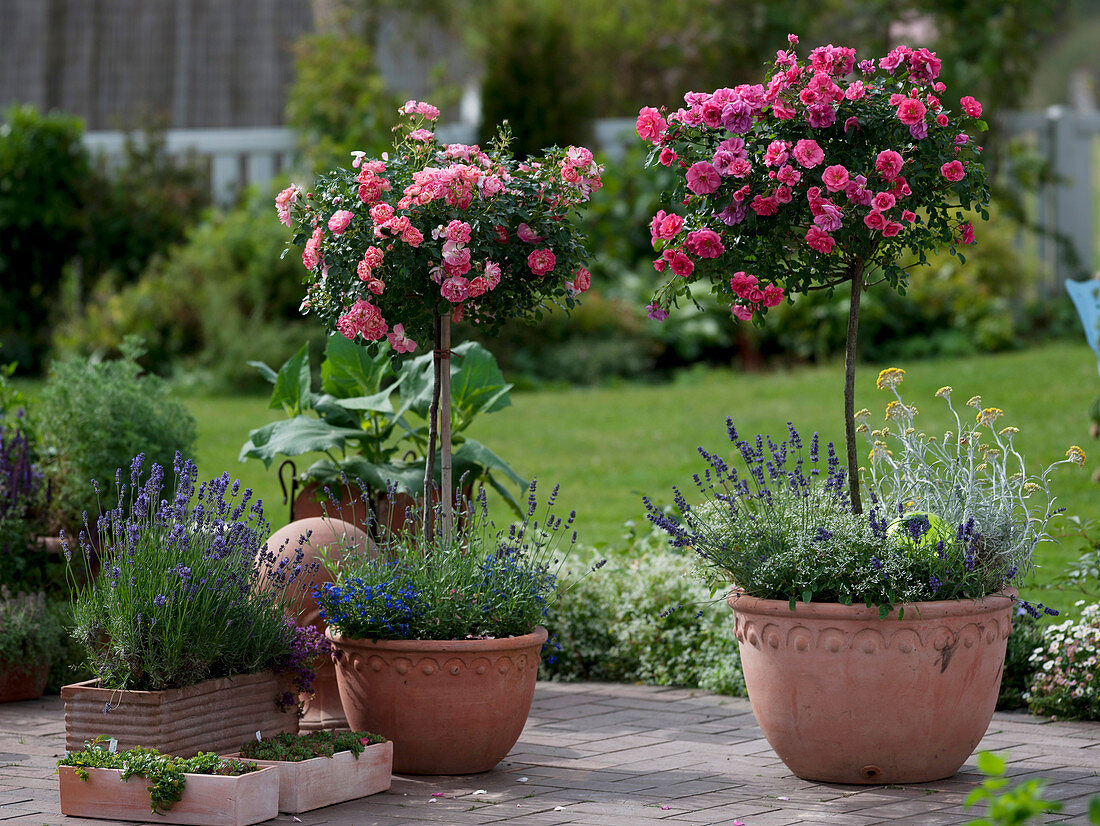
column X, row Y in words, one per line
column 844, row 697
column 449, row 706
column 22, row 681
column 215, row 715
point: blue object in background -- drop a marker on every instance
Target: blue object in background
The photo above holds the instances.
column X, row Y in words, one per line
column 1086, row 298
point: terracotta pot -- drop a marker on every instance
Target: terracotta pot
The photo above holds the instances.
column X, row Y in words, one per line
column 449, row 706
column 306, row 785
column 22, row 681
column 844, row 697
column 390, row 512
column 207, row 800
column 214, row 715
column 323, row 709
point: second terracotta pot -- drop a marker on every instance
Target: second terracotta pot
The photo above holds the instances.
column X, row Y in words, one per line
column 449, row 706
column 845, row 697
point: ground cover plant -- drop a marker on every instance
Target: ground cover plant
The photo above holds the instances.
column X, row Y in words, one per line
column 297, row 747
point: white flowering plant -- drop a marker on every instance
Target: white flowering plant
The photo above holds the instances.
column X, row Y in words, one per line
column 966, row 495
column 1066, row 682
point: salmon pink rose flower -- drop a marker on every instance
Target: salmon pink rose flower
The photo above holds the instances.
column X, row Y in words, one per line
column 703, row 178
column 650, row 124
column 339, row 221
column 808, row 153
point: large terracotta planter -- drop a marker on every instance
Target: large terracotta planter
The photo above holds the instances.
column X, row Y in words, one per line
column 450, row 706
column 207, row 800
column 306, row 785
column 215, row 715
column 845, row 697
column 23, row 681
column 331, row 537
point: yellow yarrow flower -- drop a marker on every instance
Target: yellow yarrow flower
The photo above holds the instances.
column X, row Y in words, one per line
column 988, row 415
column 862, row 415
column 975, row 402
column 890, row 377
column 1030, row 488
column 1076, row 455
column 944, row 392
column 862, row 428
column 1009, row 431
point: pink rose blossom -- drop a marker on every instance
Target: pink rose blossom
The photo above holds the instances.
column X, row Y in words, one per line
column 501, row 233
column 412, row 236
column 820, row 115
column 740, row 168
column 380, row 213
column 777, row 153
column 458, row 231
column 650, row 124
column 874, row 220
column 667, row 156
column 339, row 221
column 808, row 153
column 909, row 216
column 477, row 286
column 971, row 106
column 891, row 228
column 660, row 264
column 941, row 119
column 703, row 178
column 820, row 240
column 781, row 110
column 284, row 201
column 542, row 261
column 421, row 135
column 783, row 194
column 883, row 201
column 681, row 264
column 492, row 274
column 656, row 313
column 665, row 225
column 704, row 243
column 835, row 177
column 765, row 205
column 741, row 283
column 455, row 289
column 527, row 234
column 741, row 312
column 888, row 164
column 911, row 112
column 755, row 296
column 855, row 91
column 364, row 319
column 953, row 171
column 582, row 280
column 966, row 233
column 788, row 175
column 773, row 295
column 311, row 255
column 828, row 217
column 850, row 124
column 399, row 341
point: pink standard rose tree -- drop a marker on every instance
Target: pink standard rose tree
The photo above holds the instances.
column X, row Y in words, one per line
column 396, row 247
column 829, row 173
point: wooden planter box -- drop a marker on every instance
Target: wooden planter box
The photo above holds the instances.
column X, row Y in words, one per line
column 324, row 781
column 20, row 681
column 208, row 800
column 215, row 715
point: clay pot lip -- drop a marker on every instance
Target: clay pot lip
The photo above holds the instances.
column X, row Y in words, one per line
column 740, row 601
column 536, row 638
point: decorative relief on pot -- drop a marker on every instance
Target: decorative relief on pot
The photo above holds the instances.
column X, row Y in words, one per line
column 760, row 634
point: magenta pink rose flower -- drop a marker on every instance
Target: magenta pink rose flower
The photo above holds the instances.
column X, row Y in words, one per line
column 541, row 261
column 911, row 112
column 883, row 201
column 399, row 341
column 650, row 124
column 808, row 153
column 835, row 177
column 703, row 178
column 773, row 295
column 681, row 264
column 888, row 164
column 820, row 240
column 971, row 106
column 455, row 289
column 704, row 243
column 953, row 171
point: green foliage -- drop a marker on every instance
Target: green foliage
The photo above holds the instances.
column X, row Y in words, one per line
column 338, row 101
column 96, row 416
column 1026, row 636
column 44, row 170
column 478, row 582
column 1007, row 806
column 30, row 631
column 294, row 748
column 535, row 79
column 222, row 298
column 166, row 774
column 645, row 618
column 364, row 435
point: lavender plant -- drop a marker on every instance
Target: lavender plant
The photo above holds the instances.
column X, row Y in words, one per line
column 29, row 630
column 480, row 583
column 176, row 600
column 966, row 495
column 786, row 529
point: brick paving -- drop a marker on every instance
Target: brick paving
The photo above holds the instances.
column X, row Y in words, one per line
column 610, row 754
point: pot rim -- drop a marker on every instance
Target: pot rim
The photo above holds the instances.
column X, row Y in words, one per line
column 738, row 600
column 536, row 638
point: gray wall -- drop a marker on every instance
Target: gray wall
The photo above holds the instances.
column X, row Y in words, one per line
column 198, row 63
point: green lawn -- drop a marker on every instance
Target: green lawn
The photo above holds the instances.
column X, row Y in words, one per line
column 607, row 446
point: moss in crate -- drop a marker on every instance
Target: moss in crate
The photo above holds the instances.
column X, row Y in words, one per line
column 293, row 748
column 164, row 772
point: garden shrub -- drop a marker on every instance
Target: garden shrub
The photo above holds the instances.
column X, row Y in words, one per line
column 534, row 79
column 220, row 299
column 643, row 618
column 338, row 101
column 44, row 169
column 96, row 417
column 1066, row 683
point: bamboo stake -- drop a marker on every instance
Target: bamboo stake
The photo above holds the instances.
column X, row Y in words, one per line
column 443, row 377
column 429, row 460
column 850, row 355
